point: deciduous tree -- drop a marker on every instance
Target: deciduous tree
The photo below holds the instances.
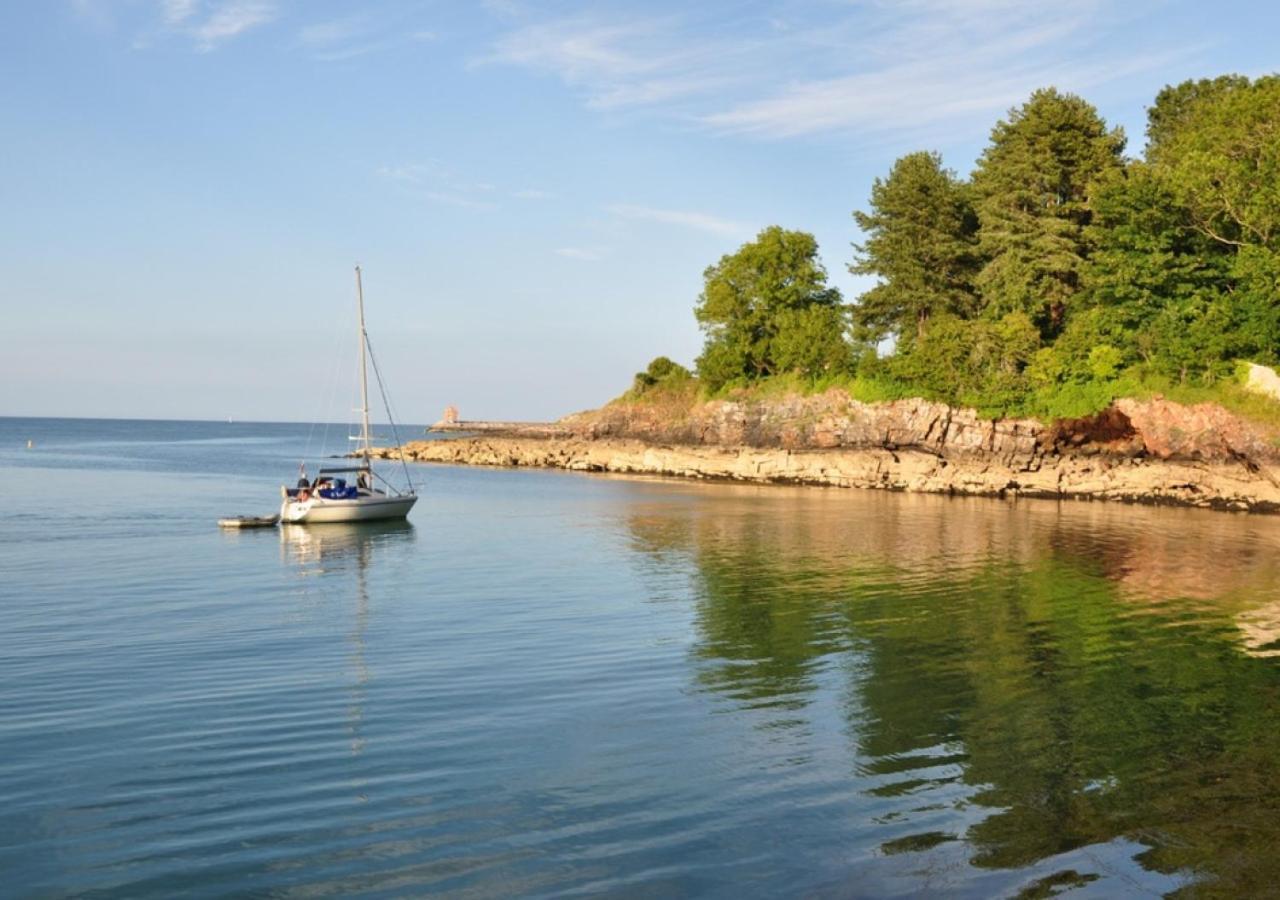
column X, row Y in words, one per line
column 751, row 297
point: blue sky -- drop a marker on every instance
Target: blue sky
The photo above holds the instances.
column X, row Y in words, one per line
column 533, row 189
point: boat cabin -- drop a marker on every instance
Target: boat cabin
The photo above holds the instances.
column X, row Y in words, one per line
column 328, row 486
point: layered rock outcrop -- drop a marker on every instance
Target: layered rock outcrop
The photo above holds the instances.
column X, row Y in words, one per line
column 1155, row 427
column 1150, row 451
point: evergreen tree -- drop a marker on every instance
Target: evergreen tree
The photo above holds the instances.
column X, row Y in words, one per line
column 1032, row 184
column 921, row 242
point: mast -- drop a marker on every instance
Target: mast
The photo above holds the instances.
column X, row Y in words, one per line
column 364, row 375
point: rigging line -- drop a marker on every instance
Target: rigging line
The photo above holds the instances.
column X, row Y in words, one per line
column 386, row 402
column 331, row 386
column 382, row 389
column 339, row 363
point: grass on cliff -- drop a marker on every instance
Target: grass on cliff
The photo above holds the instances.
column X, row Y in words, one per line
column 679, row 395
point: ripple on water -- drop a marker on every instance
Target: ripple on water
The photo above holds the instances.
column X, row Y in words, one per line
column 551, row 684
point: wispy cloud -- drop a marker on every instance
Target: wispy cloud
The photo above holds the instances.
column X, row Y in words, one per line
column 686, row 219
column 615, row 64
column 433, row 180
column 176, row 12
column 231, row 19
column 967, row 59
column 532, row 194
column 875, row 66
column 585, row 254
column 909, row 97
column 353, row 36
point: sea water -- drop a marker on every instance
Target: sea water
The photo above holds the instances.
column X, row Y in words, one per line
column 551, row 684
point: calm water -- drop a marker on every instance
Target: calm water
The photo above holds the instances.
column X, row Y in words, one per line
column 557, row 684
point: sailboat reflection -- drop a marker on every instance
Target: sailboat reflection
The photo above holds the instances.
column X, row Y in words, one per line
column 333, row 545
column 328, row 550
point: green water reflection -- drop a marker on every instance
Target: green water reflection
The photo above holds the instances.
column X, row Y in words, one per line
column 1019, row 681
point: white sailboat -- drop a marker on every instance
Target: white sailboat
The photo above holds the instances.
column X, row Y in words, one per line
column 330, row 498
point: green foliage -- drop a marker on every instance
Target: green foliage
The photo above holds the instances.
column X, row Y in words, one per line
column 1220, row 160
column 663, row 381
column 1256, row 303
column 661, row 371
column 1058, row 279
column 812, row 343
column 767, row 309
column 1221, row 156
column 921, row 242
column 1168, row 115
column 972, row 362
column 1032, row 185
column 1147, row 256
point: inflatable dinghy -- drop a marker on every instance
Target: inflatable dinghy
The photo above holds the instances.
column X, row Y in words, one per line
column 249, row 521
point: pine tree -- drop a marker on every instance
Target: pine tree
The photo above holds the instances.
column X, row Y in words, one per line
column 921, row 242
column 1032, row 185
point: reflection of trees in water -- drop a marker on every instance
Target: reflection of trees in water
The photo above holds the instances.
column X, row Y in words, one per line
column 333, row 550
column 1082, row 665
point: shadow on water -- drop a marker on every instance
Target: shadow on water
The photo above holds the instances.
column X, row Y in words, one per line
column 1028, row 687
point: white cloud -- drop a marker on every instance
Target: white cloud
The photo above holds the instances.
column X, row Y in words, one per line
column 532, row 194
column 954, row 60
column 176, row 12
column 354, row 36
column 684, row 218
column 616, row 64
column 581, row 253
column 875, row 66
column 230, row 20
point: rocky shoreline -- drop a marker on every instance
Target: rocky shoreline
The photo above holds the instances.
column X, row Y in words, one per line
column 1216, row 485
column 1153, row 452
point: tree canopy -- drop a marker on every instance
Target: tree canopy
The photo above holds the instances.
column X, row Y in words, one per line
column 1057, row 277
column 1032, row 188
column 922, row 243
column 767, row 308
column 1166, row 267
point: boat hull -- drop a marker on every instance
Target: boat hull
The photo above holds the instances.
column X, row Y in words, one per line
column 364, row 509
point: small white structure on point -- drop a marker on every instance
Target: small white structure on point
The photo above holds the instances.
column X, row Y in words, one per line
column 1263, row 380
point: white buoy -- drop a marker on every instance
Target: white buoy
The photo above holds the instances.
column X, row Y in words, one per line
column 30, row 444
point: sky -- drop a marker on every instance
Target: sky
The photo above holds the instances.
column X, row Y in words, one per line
column 533, row 190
